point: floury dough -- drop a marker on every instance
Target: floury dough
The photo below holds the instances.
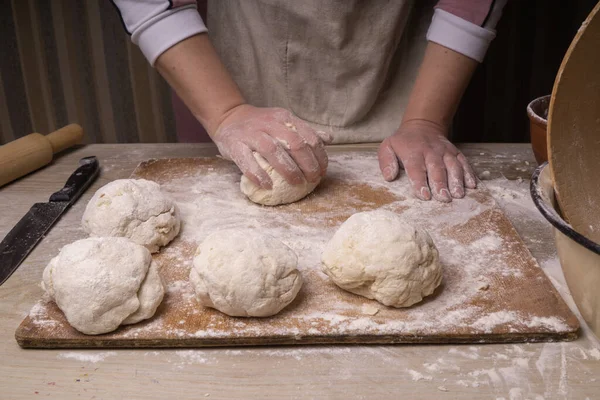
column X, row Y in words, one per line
column 101, row 283
column 376, row 254
column 244, row 273
column 282, row 191
column 133, row 208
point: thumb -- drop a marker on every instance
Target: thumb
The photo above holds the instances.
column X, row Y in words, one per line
column 325, row 137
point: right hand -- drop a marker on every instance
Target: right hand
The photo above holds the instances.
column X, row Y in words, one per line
column 290, row 146
column 433, row 164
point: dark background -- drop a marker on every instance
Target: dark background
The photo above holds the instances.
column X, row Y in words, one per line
column 521, row 64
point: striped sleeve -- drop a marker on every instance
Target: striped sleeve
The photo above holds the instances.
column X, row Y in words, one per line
column 157, row 25
column 466, row 26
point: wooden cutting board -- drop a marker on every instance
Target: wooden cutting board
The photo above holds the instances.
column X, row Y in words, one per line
column 492, row 290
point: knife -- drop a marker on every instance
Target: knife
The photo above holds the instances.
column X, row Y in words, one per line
column 37, row 222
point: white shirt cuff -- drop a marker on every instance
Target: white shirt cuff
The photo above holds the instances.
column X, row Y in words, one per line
column 459, row 35
column 166, row 30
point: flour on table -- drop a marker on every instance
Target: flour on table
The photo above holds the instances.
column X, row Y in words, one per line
column 92, row 357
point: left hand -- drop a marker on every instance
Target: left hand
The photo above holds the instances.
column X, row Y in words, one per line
column 432, row 163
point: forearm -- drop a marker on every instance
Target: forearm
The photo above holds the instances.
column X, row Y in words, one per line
column 194, row 70
column 459, row 36
column 172, row 37
column 442, row 79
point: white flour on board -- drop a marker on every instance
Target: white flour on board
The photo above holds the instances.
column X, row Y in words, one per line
column 210, row 200
column 213, row 201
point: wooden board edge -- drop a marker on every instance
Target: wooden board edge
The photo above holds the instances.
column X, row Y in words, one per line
column 99, row 343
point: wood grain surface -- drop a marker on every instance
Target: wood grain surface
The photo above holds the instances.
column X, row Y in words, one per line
column 519, row 304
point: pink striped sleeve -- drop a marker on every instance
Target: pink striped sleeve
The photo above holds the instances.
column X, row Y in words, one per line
column 466, row 26
column 474, row 11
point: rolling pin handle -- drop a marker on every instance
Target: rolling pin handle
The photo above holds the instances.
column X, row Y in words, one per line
column 65, row 137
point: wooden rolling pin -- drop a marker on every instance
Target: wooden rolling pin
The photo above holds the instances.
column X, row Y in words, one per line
column 33, row 151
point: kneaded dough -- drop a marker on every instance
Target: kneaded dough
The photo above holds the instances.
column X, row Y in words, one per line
column 282, row 191
column 376, row 254
column 133, row 208
column 101, row 283
column 244, row 273
column 150, row 296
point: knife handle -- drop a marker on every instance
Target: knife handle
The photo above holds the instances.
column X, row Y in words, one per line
column 80, row 180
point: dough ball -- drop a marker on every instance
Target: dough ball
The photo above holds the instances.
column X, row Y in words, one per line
column 135, row 209
column 150, row 296
column 376, row 254
column 281, row 193
column 243, row 273
column 100, row 283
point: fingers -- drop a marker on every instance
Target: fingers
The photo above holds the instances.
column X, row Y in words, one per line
column 455, row 176
column 243, row 156
column 469, row 174
column 438, row 178
column 285, row 143
column 316, row 144
column 416, row 171
column 310, row 137
column 275, row 154
column 388, row 162
column 299, row 150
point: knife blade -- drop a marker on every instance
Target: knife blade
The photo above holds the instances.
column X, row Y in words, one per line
column 26, row 234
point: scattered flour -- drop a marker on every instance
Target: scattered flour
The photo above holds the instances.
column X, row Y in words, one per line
column 86, row 356
column 417, row 376
column 192, row 356
column 488, row 322
column 473, row 355
column 301, row 353
column 549, row 322
column 474, row 263
column 215, row 200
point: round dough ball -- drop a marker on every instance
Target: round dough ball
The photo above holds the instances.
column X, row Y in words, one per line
column 100, row 283
column 243, row 273
column 135, row 209
column 376, row 254
column 282, row 191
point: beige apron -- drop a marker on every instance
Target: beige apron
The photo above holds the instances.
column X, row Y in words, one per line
column 343, row 66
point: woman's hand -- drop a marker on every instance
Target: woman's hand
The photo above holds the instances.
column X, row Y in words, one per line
column 290, row 146
column 432, row 163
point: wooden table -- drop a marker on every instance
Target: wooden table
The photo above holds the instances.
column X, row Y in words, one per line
column 524, row 371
